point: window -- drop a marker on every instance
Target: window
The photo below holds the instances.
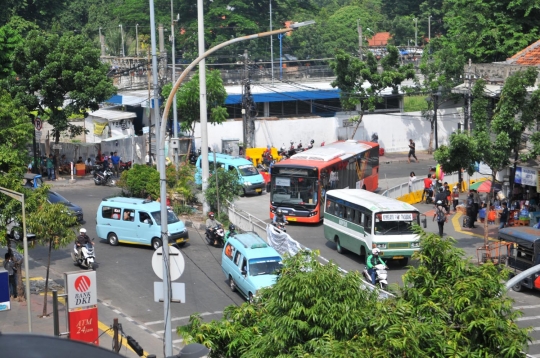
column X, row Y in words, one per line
column 339, row 210
column 330, row 207
column 144, row 217
column 367, row 221
column 129, row 215
column 108, row 212
column 229, row 251
column 244, row 265
column 237, row 258
column 350, row 214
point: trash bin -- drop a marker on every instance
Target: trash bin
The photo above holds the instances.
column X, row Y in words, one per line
column 80, row 169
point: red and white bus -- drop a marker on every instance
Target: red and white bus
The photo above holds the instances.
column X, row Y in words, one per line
column 299, row 184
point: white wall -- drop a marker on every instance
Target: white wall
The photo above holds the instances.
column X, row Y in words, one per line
column 394, row 130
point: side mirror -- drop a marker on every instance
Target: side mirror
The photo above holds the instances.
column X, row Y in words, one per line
column 424, row 222
column 244, row 272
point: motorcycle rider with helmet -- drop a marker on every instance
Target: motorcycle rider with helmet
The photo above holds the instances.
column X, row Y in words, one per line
column 231, row 232
column 373, row 260
column 211, row 224
column 267, row 156
column 82, row 240
column 310, row 144
column 279, row 218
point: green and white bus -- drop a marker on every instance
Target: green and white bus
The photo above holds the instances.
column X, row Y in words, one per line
column 358, row 220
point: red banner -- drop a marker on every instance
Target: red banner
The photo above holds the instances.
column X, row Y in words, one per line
column 83, row 325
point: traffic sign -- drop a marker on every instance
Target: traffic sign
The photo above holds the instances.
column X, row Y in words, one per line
column 38, row 123
column 177, row 263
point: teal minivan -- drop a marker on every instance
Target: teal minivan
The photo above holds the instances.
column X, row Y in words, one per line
column 249, row 264
column 250, row 178
column 137, row 221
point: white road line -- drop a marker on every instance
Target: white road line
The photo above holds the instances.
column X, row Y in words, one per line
column 526, row 307
column 534, row 342
column 527, row 318
column 178, row 341
column 182, row 318
column 536, row 329
column 161, row 332
column 117, row 311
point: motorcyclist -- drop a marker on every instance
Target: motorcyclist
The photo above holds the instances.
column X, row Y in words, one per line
column 441, row 195
column 231, row 232
column 279, row 218
column 267, row 156
column 211, row 224
column 310, row 144
column 373, row 260
column 82, row 240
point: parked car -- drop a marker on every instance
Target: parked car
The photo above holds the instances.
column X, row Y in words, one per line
column 55, row 198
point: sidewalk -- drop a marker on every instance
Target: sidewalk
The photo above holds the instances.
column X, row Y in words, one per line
column 16, row 319
column 401, row 157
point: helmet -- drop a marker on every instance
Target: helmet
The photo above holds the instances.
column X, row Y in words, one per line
column 312, row 141
column 82, row 230
column 279, row 212
column 232, row 227
column 211, row 214
column 268, row 147
column 375, row 251
column 441, row 189
column 439, row 202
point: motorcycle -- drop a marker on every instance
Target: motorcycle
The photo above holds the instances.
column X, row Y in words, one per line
column 375, row 138
column 215, row 234
column 283, row 152
column 381, row 276
column 87, row 258
column 292, row 150
column 104, row 177
column 310, row 144
column 280, row 225
column 124, row 166
column 194, row 156
column 299, row 147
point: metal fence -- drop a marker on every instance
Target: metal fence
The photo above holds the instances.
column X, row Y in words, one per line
column 244, row 221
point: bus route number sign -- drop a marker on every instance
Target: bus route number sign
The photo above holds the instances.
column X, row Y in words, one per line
column 397, row 217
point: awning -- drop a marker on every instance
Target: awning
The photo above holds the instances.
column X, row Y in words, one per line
column 111, row 115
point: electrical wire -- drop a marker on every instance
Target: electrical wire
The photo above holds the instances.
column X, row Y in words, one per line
column 110, row 328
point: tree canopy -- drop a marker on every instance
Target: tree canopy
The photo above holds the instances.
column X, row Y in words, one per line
column 447, row 306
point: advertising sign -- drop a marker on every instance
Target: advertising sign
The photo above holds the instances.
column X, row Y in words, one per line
column 5, row 304
column 83, row 325
column 81, row 287
column 526, row 176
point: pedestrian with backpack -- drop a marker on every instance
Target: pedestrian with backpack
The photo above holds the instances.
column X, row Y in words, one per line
column 440, row 215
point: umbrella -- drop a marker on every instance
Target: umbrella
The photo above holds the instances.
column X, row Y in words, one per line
column 483, row 186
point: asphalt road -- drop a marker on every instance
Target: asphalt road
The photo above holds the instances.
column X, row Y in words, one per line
column 125, row 275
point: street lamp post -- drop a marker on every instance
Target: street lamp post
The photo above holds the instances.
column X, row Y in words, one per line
column 429, row 28
column 280, row 37
column 175, row 115
column 122, row 34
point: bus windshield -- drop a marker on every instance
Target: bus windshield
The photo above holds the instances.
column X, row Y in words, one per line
column 289, row 190
column 395, row 223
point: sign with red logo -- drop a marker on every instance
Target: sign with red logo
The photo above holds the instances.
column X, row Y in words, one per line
column 83, row 325
column 81, row 289
column 38, row 123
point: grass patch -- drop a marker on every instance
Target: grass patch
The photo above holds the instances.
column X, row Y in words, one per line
column 414, row 104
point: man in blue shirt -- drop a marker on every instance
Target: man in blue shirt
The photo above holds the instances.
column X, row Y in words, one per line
column 116, row 163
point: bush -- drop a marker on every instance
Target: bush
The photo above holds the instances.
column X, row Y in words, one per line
column 140, row 181
column 229, row 187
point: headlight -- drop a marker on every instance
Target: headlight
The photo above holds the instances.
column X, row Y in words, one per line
column 246, row 183
column 313, row 213
column 415, row 244
column 381, row 246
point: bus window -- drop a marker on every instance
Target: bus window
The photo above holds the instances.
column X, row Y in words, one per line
column 367, row 221
column 339, row 210
column 357, row 217
column 330, row 207
column 350, row 214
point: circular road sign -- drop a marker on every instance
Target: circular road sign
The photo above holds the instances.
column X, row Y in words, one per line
column 177, row 263
column 38, row 123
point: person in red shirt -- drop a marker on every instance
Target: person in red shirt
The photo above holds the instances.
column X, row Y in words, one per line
column 428, row 192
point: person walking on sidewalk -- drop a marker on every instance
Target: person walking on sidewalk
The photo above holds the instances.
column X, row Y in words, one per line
column 440, row 215
column 412, row 149
column 504, row 216
column 115, row 159
column 9, row 265
column 50, row 167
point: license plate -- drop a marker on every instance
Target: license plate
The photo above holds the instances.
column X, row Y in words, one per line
column 291, row 219
column 179, row 241
column 398, row 257
column 258, row 190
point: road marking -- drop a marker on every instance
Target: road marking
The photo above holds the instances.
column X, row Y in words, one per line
column 457, row 227
column 182, row 318
column 178, row 341
column 526, row 307
column 527, row 318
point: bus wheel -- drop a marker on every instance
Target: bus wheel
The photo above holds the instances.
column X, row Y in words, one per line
column 338, row 246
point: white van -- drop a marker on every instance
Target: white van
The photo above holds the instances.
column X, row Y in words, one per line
column 137, row 221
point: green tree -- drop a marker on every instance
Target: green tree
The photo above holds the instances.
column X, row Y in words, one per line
column 51, row 223
column 352, row 73
column 140, row 181
column 60, row 76
column 495, row 139
column 447, row 306
column 227, row 187
column 491, row 30
column 187, row 100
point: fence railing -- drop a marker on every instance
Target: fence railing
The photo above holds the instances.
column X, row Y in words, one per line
column 244, row 221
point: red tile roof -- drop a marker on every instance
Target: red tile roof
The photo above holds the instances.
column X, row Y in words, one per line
column 380, row 39
column 530, row 56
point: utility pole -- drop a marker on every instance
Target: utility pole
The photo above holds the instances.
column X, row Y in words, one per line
column 429, row 28
column 469, row 119
column 244, row 110
column 360, row 47
column 435, row 109
column 122, row 35
column 149, row 108
column 137, row 37
column 102, row 42
column 415, row 32
column 271, row 47
column 202, row 101
column 247, row 107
